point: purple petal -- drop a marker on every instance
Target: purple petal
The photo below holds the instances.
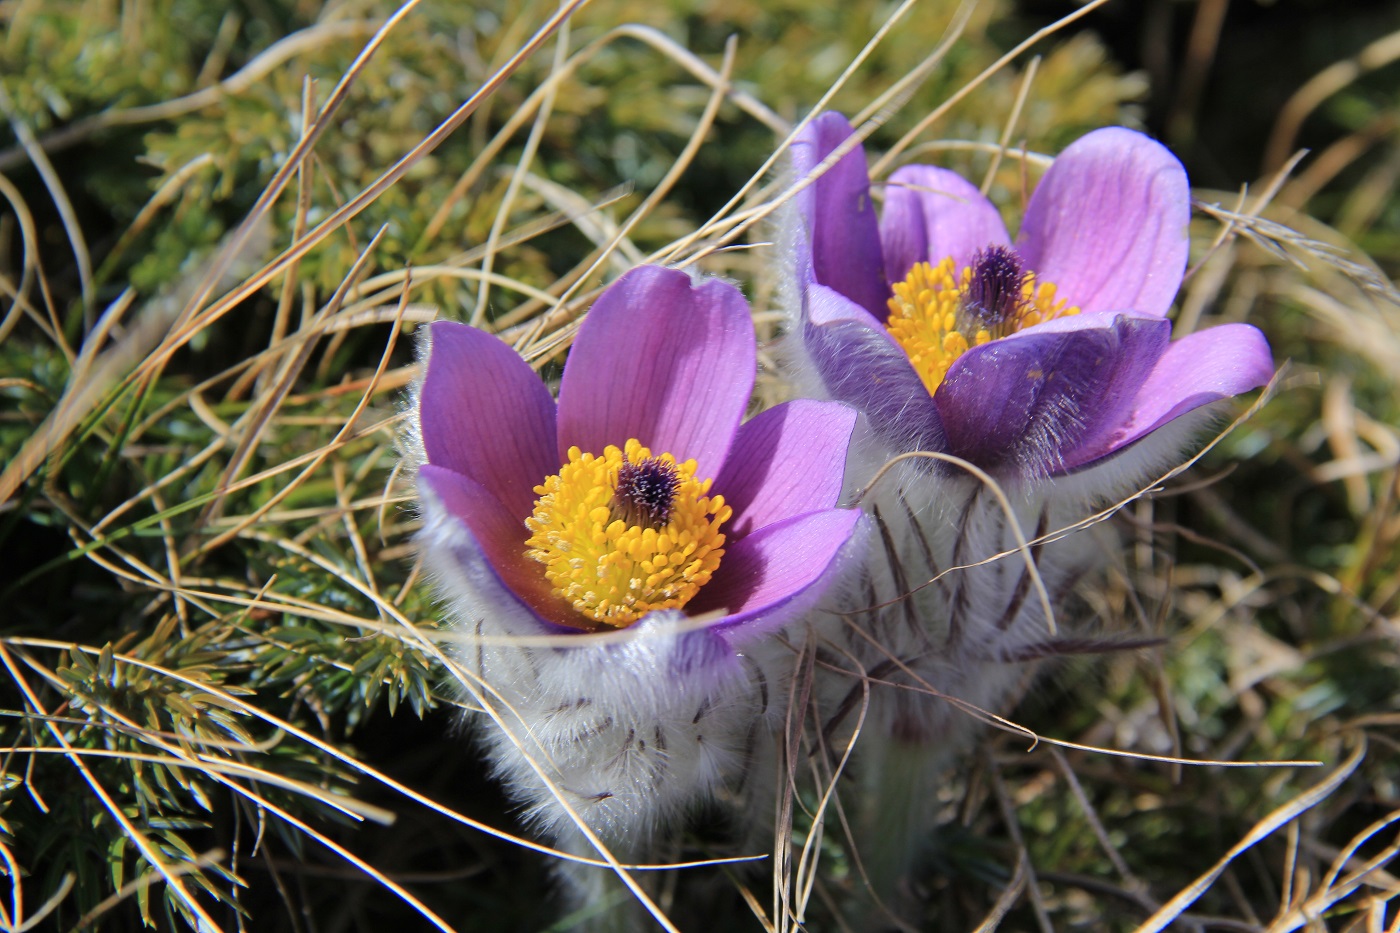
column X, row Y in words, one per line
column 931, row 214
column 663, row 361
column 1027, row 404
column 861, row 365
column 790, row 460
column 500, row 536
column 1198, row 369
column 840, row 218
column 1107, row 225
column 485, row 414
column 774, row 564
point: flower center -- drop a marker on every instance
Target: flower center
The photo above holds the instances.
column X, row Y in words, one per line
column 938, row 313
column 626, row 533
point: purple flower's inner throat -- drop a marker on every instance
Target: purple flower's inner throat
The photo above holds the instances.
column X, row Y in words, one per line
column 645, row 493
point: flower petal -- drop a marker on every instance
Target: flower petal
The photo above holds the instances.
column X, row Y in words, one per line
column 485, row 414
column 790, row 460
column 663, row 361
column 1198, row 369
column 840, row 218
column 861, row 365
column 932, row 213
column 774, row 564
column 498, row 536
column 1107, row 225
column 1026, row 404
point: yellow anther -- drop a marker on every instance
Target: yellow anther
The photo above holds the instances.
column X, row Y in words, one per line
column 613, row 572
column 929, row 318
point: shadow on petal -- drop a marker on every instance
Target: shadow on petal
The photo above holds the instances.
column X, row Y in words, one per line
column 787, row 461
column 861, row 365
column 774, row 564
column 475, row 386
column 500, row 537
column 841, row 224
column 1107, row 224
column 934, row 213
column 1196, row 370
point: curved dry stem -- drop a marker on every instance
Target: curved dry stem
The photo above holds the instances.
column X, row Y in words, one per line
column 522, row 167
column 1260, row 831
column 58, row 193
column 1321, row 86
column 29, row 267
column 883, row 163
column 143, row 843
column 1023, row 545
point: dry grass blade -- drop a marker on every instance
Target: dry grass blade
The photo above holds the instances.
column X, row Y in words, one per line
column 96, row 370
column 241, row 631
column 1023, row 544
column 882, row 164
column 275, row 55
column 1265, row 828
column 194, row 323
column 143, row 843
column 1323, row 85
column 59, row 195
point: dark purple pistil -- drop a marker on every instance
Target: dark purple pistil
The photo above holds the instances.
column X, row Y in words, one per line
column 994, row 294
column 644, row 493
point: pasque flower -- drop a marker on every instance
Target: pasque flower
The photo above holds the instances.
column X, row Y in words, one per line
column 1047, row 361
column 640, row 522
column 1032, row 358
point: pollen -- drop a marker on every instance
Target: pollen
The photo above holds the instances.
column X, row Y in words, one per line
column 624, row 533
column 940, row 312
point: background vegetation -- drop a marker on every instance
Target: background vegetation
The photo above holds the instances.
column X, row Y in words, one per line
column 217, row 706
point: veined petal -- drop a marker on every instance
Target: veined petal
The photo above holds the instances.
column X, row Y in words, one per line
column 775, row 564
column 1198, row 369
column 499, row 536
column 476, row 384
column 931, row 214
column 1027, row 403
column 662, row 360
column 861, row 365
column 840, row 219
column 789, row 460
column 1108, row 223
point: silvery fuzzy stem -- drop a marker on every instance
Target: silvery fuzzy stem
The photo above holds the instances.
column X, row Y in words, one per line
column 952, row 604
column 900, row 779
column 944, row 635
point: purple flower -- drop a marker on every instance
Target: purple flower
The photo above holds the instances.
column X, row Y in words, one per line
column 640, row 502
column 1039, row 357
column 658, row 366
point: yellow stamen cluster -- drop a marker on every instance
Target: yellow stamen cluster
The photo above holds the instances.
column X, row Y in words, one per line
column 930, row 319
column 609, row 570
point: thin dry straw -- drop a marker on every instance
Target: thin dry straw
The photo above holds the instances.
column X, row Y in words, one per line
column 1023, row 547
column 1265, row 828
column 322, row 230
column 649, row 203
column 882, row 163
column 522, row 166
column 232, row 701
column 149, row 851
column 1097, row 517
column 54, row 184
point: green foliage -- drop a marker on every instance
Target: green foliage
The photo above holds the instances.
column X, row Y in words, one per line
column 215, row 593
